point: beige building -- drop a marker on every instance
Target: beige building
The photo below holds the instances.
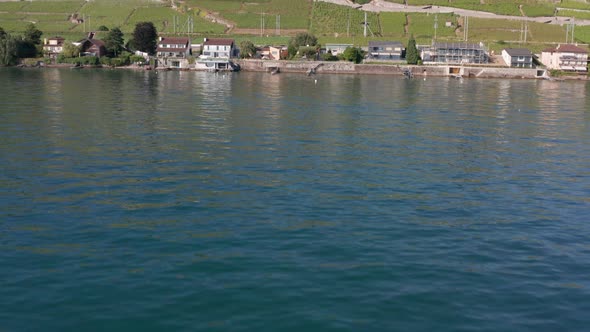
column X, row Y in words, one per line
column 566, row 57
column 53, row 46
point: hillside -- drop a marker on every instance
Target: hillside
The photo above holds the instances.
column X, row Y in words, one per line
column 267, row 21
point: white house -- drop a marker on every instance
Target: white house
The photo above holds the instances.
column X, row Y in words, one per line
column 518, row 57
column 173, row 52
column 336, row 49
column 217, row 54
column 566, row 57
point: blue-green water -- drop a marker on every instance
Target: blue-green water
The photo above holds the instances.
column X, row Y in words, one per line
column 136, row 201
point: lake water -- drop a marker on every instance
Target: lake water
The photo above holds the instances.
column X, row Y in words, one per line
column 136, row 201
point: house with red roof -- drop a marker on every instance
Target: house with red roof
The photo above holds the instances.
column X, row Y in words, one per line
column 173, row 52
column 566, row 57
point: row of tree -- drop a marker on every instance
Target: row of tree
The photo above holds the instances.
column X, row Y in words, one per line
column 29, row 45
column 144, row 39
column 14, row 47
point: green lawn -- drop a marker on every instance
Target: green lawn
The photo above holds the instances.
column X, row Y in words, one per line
column 294, row 14
column 334, row 20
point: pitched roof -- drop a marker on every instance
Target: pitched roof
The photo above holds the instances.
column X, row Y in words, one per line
column 566, row 48
column 174, row 40
column 518, row 52
column 219, row 41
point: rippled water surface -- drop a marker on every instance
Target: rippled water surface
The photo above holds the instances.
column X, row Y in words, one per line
column 136, row 201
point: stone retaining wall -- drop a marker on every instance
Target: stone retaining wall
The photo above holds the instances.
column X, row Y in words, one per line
column 341, row 67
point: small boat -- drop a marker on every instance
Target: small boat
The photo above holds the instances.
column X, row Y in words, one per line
column 275, row 71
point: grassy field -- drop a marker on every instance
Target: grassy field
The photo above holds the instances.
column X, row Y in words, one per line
column 294, row 14
column 422, row 26
column 585, row 15
column 574, row 4
column 393, row 24
column 328, row 21
column 332, row 20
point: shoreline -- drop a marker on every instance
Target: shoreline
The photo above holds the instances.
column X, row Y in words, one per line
column 438, row 70
column 340, row 67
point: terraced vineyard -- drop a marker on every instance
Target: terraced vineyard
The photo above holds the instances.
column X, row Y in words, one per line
column 333, row 20
column 330, row 22
column 55, row 17
column 531, row 8
column 289, row 14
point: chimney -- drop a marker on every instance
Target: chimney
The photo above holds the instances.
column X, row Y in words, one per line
column 205, row 39
column 91, row 35
column 160, row 38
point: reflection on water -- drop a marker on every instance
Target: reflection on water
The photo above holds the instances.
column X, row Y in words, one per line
column 202, row 201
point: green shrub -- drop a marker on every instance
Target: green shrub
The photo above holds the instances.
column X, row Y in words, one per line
column 329, row 57
column 138, row 59
column 105, row 61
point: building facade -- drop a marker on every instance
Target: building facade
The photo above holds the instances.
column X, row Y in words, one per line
column 217, row 54
column 518, row 57
column 386, row 50
column 173, row 52
column 566, row 57
column 456, row 53
column 53, row 46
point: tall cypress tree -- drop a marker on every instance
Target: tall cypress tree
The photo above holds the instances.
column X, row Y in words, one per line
column 412, row 56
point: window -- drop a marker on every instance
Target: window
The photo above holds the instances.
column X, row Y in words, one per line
column 521, row 58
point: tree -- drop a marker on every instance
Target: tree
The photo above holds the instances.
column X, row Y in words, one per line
column 353, row 54
column 303, row 39
column 70, row 50
column 32, row 34
column 26, row 49
column 8, row 49
column 308, row 52
column 113, row 42
column 144, row 37
column 412, row 56
column 103, row 28
column 247, row 49
column 292, row 50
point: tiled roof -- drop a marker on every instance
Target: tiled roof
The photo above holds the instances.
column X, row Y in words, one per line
column 566, row 48
column 219, row 41
column 174, row 40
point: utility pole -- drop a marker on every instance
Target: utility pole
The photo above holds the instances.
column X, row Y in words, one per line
column 261, row 24
column 573, row 28
column 365, row 26
column 348, row 25
column 435, row 25
column 278, row 25
column 466, row 28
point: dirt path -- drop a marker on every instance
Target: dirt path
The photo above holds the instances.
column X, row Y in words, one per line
column 385, row 6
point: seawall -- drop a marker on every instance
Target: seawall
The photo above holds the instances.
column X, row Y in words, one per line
column 341, row 67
